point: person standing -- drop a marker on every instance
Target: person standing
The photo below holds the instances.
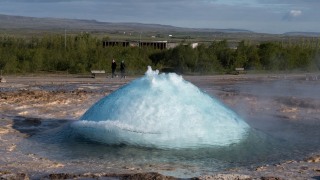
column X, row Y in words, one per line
column 113, row 67
column 123, row 69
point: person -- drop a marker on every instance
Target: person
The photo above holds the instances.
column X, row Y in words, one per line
column 113, row 67
column 123, row 69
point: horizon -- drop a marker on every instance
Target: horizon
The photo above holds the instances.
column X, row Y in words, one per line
column 259, row 16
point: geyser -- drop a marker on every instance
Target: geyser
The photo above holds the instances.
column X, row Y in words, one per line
column 162, row 111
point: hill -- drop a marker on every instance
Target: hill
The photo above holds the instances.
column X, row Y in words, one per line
column 32, row 23
column 32, row 26
column 308, row 34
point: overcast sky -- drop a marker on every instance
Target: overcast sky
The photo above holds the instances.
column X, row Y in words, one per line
column 270, row 16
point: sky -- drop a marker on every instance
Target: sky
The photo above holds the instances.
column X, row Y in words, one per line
column 263, row 16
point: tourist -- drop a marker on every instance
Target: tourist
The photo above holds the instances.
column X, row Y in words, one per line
column 123, row 69
column 113, row 67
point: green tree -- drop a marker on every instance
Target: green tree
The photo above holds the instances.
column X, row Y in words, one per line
column 223, row 53
column 270, row 53
column 247, row 56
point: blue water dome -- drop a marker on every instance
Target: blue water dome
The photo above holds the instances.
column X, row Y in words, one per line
column 161, row 111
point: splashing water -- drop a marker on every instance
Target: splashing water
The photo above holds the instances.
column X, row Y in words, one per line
column 162, row 111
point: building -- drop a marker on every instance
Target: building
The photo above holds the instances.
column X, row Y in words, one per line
column 151, row 44
column 116, row 43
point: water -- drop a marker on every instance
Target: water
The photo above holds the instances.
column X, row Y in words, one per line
column 161, row 111
column 133, row 128
column 81, row 154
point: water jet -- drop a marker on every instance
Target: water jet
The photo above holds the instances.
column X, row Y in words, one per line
column 162, row 111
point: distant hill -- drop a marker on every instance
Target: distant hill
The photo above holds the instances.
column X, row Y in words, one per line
column 21, row 25
column 311, row 34
column 20, row 22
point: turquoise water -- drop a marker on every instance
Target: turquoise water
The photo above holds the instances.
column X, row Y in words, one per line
column 161, row 111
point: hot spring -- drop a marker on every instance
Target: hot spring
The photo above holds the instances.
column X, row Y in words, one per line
column 163, row 123
column 161, row 111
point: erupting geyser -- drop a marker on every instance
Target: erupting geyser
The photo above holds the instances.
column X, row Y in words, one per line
column 162, row 111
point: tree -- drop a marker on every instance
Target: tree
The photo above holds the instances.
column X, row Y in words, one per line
column 247, row 56
column 223, row 53
column 207, row 62
column 270, row 53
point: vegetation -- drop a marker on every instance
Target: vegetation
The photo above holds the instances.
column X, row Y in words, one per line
column 83, row 52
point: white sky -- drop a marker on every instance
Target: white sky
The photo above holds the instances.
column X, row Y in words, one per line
column 268, row 16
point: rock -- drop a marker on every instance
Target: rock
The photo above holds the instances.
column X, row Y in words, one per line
column 13, row 176
column 137, row 176
column 313, row 159
column 225, row 177
column 61, row 176
column 3, row 80
column 151, row 175
column 270, row 178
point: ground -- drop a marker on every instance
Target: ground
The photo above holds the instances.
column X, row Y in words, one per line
column 31, row 100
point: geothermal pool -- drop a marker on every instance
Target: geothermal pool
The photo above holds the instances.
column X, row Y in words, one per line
column 163, row 123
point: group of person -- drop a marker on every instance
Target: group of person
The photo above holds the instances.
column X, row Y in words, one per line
column 122, row 69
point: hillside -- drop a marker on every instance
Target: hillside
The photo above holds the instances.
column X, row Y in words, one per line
column 31, row 26
column 20, row 22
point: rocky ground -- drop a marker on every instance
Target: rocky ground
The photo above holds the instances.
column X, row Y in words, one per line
column 25, row 101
